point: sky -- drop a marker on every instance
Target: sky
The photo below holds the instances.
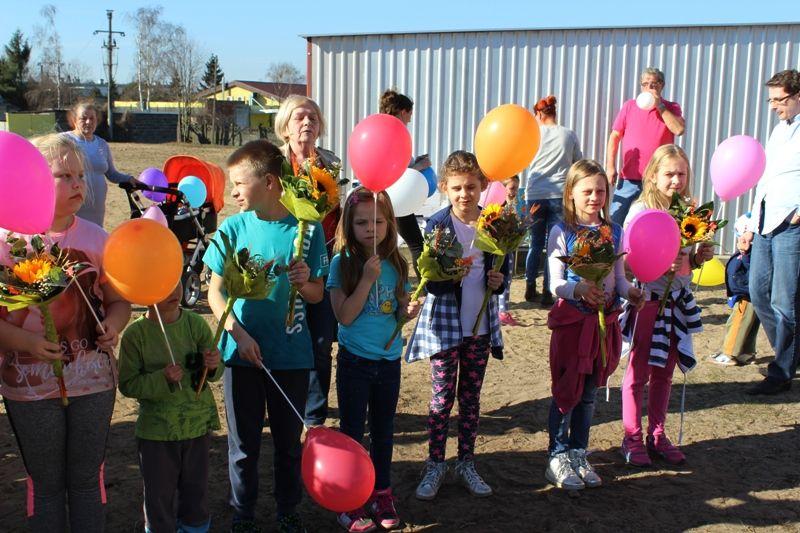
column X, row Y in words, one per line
column 248, row 39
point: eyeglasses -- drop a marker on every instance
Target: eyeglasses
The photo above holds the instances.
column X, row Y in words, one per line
column 779, row 100
column 651, row 85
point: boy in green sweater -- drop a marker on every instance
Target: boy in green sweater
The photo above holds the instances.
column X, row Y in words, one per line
column 172, row 428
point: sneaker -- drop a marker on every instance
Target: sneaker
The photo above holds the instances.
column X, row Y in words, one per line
column 383, row 511
column 661, row 446
column 547, row 299
column 560, row 473
column 290, row 523
column 471, row 479
column 245, row 526
column 530, row 292
column 634, row 452
column 722, row 359
column 584, row 469
column 357, row 521
column 507, row 319
column 432, row 477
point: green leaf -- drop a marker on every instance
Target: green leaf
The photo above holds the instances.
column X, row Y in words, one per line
column 301, row 208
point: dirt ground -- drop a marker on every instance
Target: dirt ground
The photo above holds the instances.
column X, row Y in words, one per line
column 743, row 457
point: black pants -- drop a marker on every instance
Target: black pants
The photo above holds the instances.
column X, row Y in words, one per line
column 322, row 327
column 173, row 469
column 249, row 392
column 408, row 229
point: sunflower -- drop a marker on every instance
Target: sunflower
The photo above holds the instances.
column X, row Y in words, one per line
column 693, row 228
column 489, row 214
column 325, row 182
column 33, row 270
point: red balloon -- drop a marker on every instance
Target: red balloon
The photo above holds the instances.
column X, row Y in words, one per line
column 337, row 471
column 379, row 150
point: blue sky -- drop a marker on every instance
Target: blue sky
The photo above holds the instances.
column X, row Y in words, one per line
column 248, row 39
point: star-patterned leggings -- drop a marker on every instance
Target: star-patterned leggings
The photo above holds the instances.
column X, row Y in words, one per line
column 467, row 362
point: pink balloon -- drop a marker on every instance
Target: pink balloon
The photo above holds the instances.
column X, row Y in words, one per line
column 736, row 166
column 379, row 150
column 27, row 187
column 652, row 240
column 155, row 213
column 495, row 193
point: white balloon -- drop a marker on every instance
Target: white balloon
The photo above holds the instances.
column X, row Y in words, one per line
column 646, row 101
column 408, row 193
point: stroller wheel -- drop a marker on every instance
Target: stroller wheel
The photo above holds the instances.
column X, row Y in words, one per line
column 191, row 288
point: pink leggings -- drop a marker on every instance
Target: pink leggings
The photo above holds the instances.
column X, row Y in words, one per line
column 640, row 372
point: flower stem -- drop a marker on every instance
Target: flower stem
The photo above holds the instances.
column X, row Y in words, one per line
column 663, row 303
column 217, row 337
column 484, row 304
column 51, row 335
column 403, row 321
column 298, row 255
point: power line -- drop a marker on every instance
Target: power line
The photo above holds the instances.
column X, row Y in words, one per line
column 110, row 44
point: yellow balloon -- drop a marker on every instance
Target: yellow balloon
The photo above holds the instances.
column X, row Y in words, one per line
column 713, row 274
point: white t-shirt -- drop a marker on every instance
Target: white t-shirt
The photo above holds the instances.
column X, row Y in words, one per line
column 473, row 285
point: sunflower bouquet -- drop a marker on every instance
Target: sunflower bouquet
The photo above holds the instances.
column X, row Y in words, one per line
column 39, row 275
column 309, row 193
column 498, row 231
column 593, row 258
column 440, row 260
column 696, row 225
column 244, row 276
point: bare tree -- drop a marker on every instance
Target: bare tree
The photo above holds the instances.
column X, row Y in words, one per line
column 183, row 66
column 150, row 50
column 284, row 75
column 51, row 61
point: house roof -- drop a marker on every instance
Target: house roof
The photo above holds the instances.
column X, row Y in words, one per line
column 274, row 90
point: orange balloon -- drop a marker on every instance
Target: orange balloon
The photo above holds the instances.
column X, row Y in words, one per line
column 143, row 261
column 506, row 141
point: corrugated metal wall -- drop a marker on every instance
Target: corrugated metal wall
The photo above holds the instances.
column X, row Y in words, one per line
column 716, row 73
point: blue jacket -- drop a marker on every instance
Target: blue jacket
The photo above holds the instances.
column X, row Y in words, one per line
column 737, row 272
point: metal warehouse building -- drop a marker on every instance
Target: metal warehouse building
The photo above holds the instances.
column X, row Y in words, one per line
column 716, row 73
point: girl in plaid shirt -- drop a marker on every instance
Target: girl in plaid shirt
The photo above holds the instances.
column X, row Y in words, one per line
column 443, row 332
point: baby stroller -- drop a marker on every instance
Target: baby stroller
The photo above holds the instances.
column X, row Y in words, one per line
column 192, row 227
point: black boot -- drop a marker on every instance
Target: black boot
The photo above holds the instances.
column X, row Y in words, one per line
column 547, row 299
column 530, row 292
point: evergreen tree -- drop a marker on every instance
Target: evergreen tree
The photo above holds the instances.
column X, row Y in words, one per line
column 14, row 70
column 213, row 75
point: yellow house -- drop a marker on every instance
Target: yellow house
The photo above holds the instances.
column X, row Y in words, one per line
column 263, row 97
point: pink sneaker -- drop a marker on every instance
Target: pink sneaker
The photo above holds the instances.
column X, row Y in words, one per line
column 382, row 508
column 660, row 445
column 507, row 319
column 634, row 452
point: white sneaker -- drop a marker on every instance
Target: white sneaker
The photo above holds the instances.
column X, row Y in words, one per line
column 560, row 473
column 472, row 480
column 432, row 479
column 585, row 471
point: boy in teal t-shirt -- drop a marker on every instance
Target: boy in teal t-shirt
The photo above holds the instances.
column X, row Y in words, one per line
column 172, row 430
column 256, row 334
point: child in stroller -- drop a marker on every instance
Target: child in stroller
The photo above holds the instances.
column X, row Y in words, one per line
column 192, row 227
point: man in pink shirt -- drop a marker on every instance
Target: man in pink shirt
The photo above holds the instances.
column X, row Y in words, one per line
column 641, row 132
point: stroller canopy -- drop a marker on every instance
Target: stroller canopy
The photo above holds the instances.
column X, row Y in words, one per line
column 180, row 166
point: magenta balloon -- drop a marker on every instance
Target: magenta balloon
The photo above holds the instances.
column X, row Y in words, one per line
column 736, row 166
column 155, row 178
column 27, row 187
column 652, row 240
column 379, row 151
column 495, row 193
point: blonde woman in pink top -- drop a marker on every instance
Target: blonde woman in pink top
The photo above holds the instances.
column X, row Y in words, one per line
column 63, row 448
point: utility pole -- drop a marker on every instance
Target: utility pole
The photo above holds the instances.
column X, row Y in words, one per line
column 109, row 45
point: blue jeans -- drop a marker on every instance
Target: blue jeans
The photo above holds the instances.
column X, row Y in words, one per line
column 774, row 272
column 627, row 192
column 570, row 431
column 369, row 389
column 550, row 212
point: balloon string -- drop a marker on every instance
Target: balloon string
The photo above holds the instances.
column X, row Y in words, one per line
column 375, row 238
column 89, row 305
column 302, row 421
column 166, row 339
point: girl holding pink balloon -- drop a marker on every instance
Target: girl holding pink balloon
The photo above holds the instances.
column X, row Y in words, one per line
column 658, row 342
column 63, row 447
column 443, row 332
column 369, row 293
